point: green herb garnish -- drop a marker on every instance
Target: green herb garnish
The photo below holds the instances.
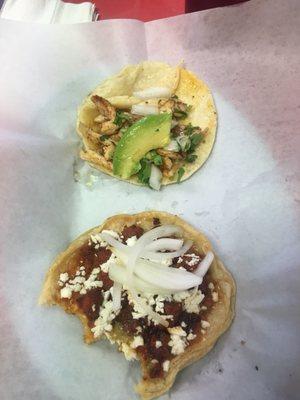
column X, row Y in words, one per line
column 195, row 140
column 122, row 117
column 189, row 129
column 145, row 171
column 154, row 157
column 180, row 174
column 190, row 158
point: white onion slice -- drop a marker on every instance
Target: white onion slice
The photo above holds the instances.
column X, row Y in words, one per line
column 160, row 257
column 153, row 92
column 204, row 265
column 155, row 177
column 166, row 277
column 165, row 244
column 116, row 294
column 113, row 242
column 118, row 273
column 148, row 309
column 159, row 232
column 144, row 109
column 173, row 146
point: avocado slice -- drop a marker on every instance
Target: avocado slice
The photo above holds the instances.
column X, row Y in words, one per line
column 149, row 133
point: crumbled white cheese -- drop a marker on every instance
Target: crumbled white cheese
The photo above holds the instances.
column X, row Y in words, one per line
column 211, row 286
column 166, row 365
column 96, row 238
column 158, row 344
column 98, row 242
column 139, row 312
column 105, row 266
column 181, row 296
column 64, row 277
column 203, row 331
column 183, row 324
column 194, row 259
column 103, row 322
column 80, row 284
column 137, row 341
column 215, row 296
column 131, row 241
column 191, row 336
column 191, row 304
column 203, row 308
column 94, row 307
column 156, row 302
column 91, row 282
column 159, row 304
column 177, row 330
column 154, row 361
column 205, row 324
column 78, row 279
column 177, row 344
column 111, row 233
column 66, row 293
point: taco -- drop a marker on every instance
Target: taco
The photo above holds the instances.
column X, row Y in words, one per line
column 149, row 283
column 151, row 124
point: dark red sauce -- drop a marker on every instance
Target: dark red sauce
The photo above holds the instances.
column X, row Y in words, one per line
column 130, row 231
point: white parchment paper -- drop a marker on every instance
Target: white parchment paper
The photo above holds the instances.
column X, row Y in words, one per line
column 246, row 198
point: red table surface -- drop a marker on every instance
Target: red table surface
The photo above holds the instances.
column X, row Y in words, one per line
column 147, row 10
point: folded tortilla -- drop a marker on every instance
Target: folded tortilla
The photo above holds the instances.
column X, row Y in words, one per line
column 119, row 89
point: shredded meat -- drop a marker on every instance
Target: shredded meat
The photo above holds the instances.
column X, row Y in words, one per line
column 174, row 105
column 178, row 130
column 104, row 107
column 171, row 172
column 108, row 150
column 170, row 154
column 108, row 128
column 167, row 163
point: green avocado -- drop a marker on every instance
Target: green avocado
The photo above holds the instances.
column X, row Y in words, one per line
column 149, row 133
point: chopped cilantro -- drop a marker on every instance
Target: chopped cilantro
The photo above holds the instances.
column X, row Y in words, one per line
column 122, row 117
column 191, row 158
column 189, row 129
column 180, row 173
column 195, row 140
column 103, row 137
column 154, row 157
column 145, row 171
